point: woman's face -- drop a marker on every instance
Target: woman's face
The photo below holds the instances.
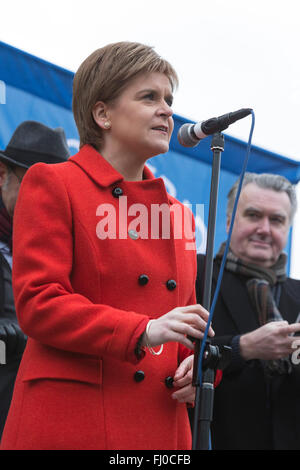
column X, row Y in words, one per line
column 141, row 117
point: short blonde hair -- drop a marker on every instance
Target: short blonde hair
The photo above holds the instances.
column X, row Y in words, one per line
column 104, row 75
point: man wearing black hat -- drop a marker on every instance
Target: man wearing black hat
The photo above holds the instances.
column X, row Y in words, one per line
column 32, row 142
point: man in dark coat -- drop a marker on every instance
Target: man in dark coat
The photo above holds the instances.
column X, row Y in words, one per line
column 257, row 404
column 32, row 142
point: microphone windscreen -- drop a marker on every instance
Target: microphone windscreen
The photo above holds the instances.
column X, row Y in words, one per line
column 186, row 136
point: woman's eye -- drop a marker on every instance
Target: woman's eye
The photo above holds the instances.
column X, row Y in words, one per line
column 149, row 96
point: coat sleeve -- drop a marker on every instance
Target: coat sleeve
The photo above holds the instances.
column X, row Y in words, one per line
column 48, row 309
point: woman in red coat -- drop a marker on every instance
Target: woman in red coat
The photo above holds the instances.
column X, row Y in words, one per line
column 104, row 288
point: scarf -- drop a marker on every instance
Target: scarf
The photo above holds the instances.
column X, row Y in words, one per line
column 261, row 285
column 5, row 226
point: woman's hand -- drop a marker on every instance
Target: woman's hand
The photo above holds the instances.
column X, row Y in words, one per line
column 177, row 325
column 183, row 381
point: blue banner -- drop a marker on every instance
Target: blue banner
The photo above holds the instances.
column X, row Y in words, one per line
column 33, row 89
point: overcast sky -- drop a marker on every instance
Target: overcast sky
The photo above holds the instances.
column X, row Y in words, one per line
column 228, row 54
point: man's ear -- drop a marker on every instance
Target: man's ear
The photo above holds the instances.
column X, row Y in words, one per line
column 100, row 115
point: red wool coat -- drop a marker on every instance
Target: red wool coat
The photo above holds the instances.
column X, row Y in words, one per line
column 84, row 301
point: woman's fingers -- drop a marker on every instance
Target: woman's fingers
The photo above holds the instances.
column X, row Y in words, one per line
column 189, row 330
column 184, row 340
column 184, row 372
column 180, row 324
column 183, row 376
column 195, row 322
column 185, row 394
column 197, row 308
column 196, row 313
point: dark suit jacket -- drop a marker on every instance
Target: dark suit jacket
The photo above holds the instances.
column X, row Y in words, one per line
column 14, row 340
column 251, row 412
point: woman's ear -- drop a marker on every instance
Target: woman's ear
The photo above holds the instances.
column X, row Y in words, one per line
column 100, row 115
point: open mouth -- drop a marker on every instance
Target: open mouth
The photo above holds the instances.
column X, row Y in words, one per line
column 163, row 129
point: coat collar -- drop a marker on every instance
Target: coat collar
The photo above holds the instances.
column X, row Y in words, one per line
column 99, row 169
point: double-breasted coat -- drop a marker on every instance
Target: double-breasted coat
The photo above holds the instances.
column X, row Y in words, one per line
column 84, row 298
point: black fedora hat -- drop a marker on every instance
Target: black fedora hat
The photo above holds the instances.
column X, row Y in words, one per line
column 33, row 142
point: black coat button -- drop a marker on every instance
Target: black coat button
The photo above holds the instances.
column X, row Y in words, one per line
column 139, row 376
column 117, row 192
column 171, row 284
column 143, row 279
column 169, row 382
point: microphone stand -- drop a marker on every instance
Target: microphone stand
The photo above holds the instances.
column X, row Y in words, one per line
column 214, row 356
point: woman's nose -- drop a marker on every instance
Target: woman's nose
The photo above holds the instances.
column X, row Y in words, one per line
column 165, row 109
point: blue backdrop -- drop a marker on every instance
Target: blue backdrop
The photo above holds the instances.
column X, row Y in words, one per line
column 33, row 89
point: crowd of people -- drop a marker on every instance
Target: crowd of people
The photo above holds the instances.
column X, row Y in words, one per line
column 99, row 330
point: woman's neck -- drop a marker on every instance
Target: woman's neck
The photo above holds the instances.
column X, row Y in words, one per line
column 127, row 165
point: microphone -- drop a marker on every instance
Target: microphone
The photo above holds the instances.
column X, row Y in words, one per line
column 189, row 135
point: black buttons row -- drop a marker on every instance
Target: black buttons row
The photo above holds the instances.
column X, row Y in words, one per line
column 139, row 376
column 144, row 279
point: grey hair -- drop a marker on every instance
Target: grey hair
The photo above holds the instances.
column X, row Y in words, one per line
column 265, row 181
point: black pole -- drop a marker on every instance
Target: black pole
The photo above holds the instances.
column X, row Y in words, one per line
column 204, row 393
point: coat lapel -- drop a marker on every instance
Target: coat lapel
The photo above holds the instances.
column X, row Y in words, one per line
column 104, row 174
